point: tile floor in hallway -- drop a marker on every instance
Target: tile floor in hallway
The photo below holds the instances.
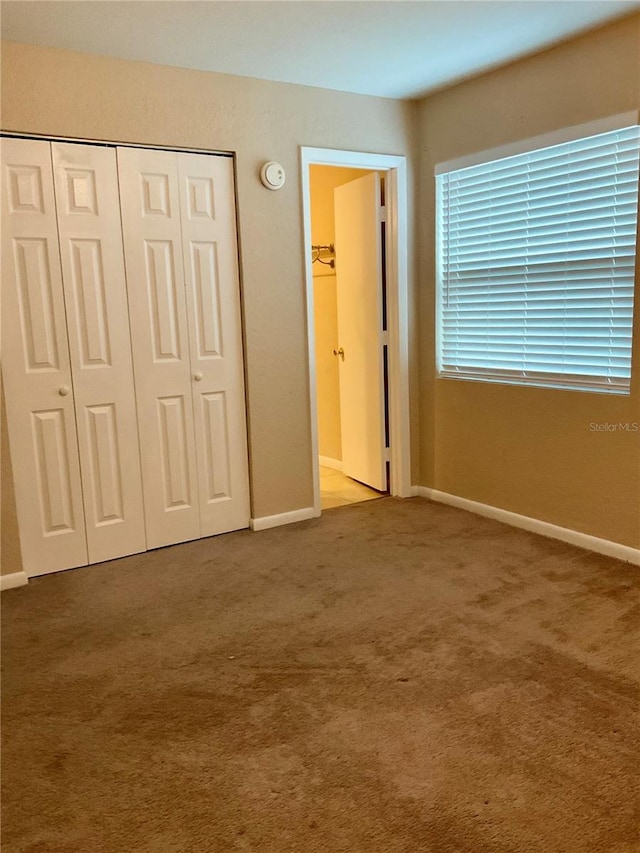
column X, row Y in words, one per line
column 336, row 489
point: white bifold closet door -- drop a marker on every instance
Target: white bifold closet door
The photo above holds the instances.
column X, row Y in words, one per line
column 90, row 233
column 67, row 357
column 178, row 214
column 36, row 368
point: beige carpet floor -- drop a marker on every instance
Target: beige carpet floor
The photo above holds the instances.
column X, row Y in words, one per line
column 395, row 677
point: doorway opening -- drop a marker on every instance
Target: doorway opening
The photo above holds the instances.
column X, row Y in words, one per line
column 347, row 231
column 356, row 277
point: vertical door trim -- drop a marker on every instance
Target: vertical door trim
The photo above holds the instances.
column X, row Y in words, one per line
column 395, row 167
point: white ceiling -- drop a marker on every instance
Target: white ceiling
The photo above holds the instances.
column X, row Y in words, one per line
column 391, row 48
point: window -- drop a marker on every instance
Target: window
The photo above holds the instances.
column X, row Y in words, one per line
column 536, row 260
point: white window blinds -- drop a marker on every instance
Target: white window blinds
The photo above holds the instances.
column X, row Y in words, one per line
column 536, row 260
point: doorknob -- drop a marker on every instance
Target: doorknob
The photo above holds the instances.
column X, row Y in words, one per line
column 197, row 377
column 63, row 391
column 339, row 352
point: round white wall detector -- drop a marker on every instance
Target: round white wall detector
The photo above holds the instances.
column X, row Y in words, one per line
column 272, row 175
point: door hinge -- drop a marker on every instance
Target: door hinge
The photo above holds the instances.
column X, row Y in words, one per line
column 387, row 454
column 383, row 213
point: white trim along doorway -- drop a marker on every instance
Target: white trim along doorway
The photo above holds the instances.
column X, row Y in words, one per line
column 395, row 168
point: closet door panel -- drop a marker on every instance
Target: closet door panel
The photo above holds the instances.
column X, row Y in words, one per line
column 215, row 336
column 36, row 367
column 160, row 338
column 88, row 207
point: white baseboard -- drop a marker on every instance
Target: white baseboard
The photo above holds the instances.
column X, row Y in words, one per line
column 283, row 518
column 13, row 580
column 328, row 462
column 535, row 525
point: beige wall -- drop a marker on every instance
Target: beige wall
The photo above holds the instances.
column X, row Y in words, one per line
column 529, row 450
column 323, row 180
column 55, row 92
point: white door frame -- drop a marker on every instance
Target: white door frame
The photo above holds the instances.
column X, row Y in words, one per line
column 397, row 306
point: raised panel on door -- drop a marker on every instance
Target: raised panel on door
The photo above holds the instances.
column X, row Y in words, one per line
column 160, row 340
column 36, row 369
column 213, row 303
column 88, row 208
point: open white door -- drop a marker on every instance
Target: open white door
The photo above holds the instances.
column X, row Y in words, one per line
column 358, row 218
